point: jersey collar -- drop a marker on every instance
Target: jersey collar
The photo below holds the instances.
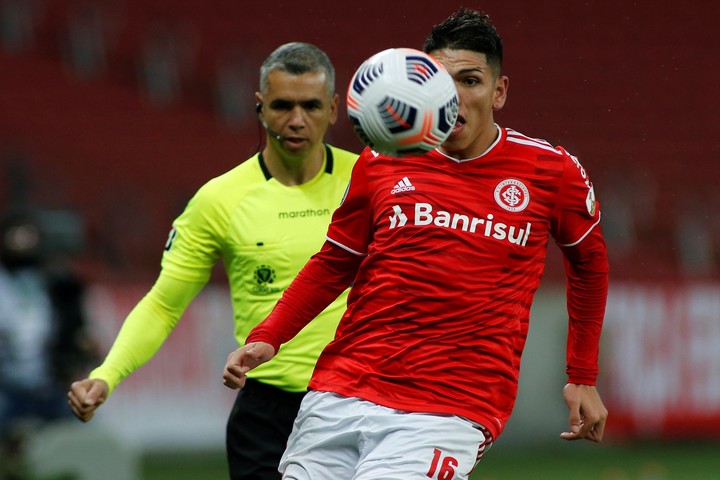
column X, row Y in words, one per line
column 329, row 163
column 501, row 134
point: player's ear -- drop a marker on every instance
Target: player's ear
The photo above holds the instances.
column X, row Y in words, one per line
column 258, row 103
column 501, row 88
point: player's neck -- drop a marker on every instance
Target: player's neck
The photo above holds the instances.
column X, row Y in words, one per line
column 477, row 148
column 292, row 170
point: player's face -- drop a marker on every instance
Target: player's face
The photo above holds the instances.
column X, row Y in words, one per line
column 480, row 92
column 299, row 109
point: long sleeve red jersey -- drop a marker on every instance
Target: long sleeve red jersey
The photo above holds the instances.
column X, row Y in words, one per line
column 445, row 256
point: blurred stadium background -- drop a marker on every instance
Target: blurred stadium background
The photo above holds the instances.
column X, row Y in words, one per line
column 113, row 112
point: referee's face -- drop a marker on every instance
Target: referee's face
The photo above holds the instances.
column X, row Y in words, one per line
column 481, row 92
column 297, row 111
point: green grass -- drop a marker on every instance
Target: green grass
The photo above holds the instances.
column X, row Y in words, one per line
column 569, row 461
column 646, row 461
column 185, row 466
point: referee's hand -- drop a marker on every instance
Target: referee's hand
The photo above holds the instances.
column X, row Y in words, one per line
column 85, row 396
column 243, row 360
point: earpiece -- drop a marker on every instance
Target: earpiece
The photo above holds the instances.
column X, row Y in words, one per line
column 272, row 133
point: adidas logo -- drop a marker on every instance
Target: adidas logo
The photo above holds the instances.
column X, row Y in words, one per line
column 403, row 185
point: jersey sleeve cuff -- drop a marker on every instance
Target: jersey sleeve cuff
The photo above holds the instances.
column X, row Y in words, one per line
column 106, row 375
column 265, row 338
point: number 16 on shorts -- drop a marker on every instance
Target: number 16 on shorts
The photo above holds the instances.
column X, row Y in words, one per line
column 442, row 466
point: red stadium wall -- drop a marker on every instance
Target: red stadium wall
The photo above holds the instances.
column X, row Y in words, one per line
column 631, row 88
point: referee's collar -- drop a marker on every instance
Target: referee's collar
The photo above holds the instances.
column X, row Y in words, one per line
column 329, row 163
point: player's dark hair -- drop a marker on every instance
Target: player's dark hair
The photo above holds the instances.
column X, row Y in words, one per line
column 297, row 58
column 468, row 29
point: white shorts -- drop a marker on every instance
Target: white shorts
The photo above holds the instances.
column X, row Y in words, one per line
column 336, row 437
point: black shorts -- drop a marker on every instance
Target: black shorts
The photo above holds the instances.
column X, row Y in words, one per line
column 257, row 430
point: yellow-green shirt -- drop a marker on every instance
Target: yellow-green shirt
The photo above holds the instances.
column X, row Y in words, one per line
column 264, row 232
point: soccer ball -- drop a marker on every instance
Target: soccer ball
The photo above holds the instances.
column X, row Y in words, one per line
column 402, row 102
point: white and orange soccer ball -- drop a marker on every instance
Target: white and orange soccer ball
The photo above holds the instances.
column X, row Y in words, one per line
column 402, row 102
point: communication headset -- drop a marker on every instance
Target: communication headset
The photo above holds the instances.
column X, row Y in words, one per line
column 274, row 134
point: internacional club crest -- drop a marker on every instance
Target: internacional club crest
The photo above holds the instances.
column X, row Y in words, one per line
column 512, row 195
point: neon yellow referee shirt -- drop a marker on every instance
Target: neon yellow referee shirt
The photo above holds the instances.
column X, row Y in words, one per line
column 264, row 232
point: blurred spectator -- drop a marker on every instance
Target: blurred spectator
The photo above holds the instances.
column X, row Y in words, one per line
column 167, row 60
column 619, row 225
column 234, row 88
column 86, row 40
column 694, row 239
column 17, row 24
column 43, row 338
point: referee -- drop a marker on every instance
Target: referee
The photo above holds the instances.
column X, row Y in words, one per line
column 263, row 219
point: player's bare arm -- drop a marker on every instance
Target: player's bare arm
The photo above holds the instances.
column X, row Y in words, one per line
column 587, row 413
column 243, row 360
column 85, row 396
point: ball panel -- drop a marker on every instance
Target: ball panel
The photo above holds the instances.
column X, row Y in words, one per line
column 402, row 101
column 398, row 116
column 420, row 69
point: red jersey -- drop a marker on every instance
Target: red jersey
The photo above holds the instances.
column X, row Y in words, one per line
column 449, row 255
